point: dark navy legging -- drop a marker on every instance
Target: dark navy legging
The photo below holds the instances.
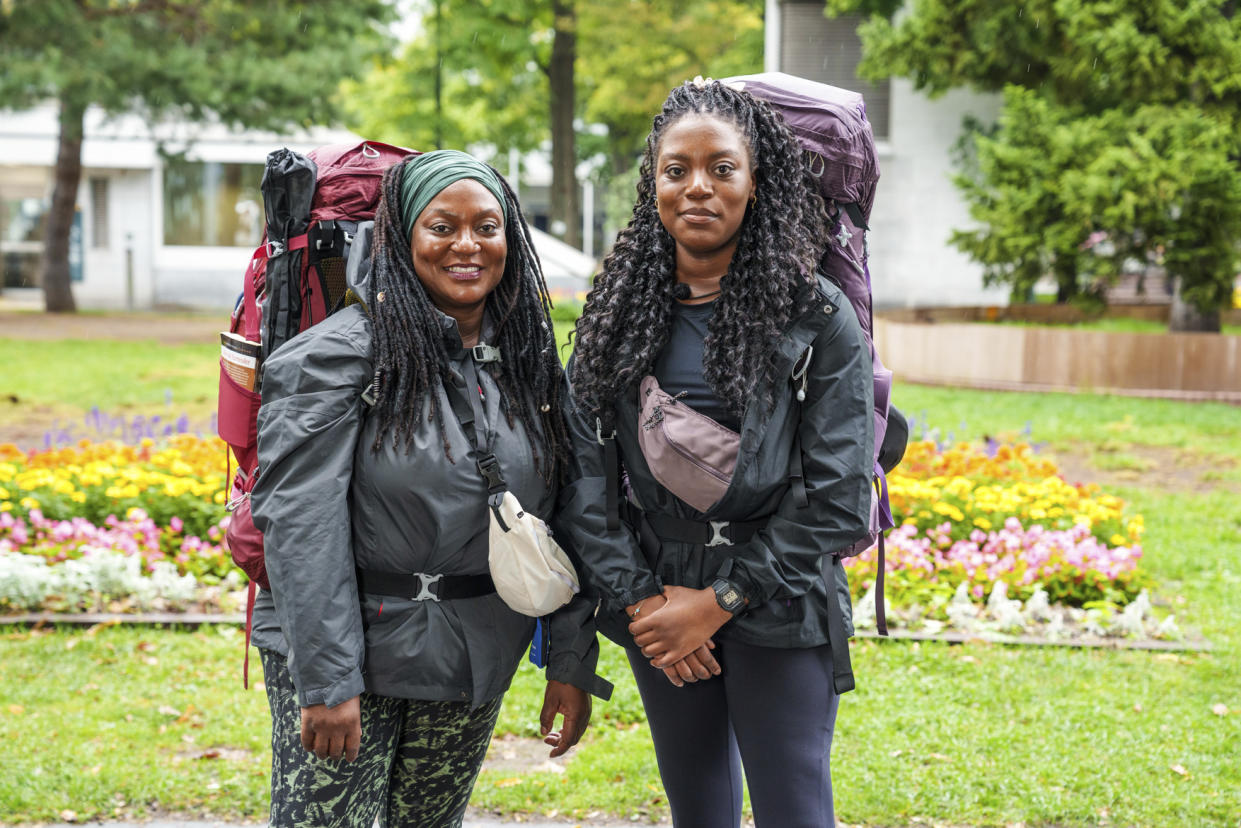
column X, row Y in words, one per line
column 772, row 710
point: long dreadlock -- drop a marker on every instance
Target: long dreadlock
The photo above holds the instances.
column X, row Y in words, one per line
column 411, row 354
column 628, row 313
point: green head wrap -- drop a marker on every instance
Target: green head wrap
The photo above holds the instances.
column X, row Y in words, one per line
column 428, row 174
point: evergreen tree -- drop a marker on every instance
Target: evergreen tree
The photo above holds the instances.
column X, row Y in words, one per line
column 1120, row 125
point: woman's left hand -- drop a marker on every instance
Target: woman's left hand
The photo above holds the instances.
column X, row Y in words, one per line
column 573, row 704
column 680, row 626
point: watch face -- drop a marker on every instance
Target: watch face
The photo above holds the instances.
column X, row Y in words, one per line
column 728, row 596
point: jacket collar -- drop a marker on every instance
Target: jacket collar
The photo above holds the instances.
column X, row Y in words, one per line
column 452, row 333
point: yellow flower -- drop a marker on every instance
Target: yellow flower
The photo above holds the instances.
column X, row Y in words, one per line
column 1117, row 540
column 982, row 523
column 29, row 503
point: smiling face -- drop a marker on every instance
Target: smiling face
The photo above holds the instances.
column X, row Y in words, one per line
column 458, row 247
column 704, row 178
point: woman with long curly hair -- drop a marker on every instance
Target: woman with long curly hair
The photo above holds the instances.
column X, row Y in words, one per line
column 386, row 649
column 709, row 317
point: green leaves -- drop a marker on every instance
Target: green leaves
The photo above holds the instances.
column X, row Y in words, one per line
column 266, row 63
column 1120, row 125
column 493, row 60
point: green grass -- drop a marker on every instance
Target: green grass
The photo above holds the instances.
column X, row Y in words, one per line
column 1067, row 421
column 63, row 378
column 101, row 723
column 1120, row 324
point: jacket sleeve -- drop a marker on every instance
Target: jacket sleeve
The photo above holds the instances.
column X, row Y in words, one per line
column 837, row 434
column 611, row 561
column 308, row 428
column 575, row 646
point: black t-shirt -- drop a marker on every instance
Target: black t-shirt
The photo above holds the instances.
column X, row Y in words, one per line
column 679, row 366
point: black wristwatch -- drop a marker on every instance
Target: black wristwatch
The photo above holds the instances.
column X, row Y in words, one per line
column 728, row 596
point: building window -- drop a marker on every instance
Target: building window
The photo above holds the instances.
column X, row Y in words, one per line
column 23, row 220
column 99, row 213
column 828, row 50
column 211, row 204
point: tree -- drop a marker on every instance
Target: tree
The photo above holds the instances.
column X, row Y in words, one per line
column 1081, row 195
column 508, row 80
column 1110, row 78
column 257, row 63
column 505, row 71
column 637, row 51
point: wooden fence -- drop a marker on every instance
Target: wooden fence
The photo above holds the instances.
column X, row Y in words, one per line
column 1180, row 366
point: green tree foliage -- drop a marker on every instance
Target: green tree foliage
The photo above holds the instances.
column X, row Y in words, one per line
column 637, row 51
column 497, row 83
column 256, row 63
column 1121, row 123
column 1079, row 195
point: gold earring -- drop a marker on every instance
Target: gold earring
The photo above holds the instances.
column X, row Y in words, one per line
column 753, row 200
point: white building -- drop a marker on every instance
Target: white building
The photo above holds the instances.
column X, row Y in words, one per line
column 916, row 206
column 167, row 217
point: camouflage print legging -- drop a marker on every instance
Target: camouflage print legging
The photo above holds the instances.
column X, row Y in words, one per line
column 416, row 767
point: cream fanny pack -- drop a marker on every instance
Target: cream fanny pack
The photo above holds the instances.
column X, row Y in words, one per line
column 532, row 574
column 690, row 454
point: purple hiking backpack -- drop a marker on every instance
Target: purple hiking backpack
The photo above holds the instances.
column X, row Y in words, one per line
column 831, row 125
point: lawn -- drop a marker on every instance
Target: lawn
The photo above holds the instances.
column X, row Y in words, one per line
column 129, row 721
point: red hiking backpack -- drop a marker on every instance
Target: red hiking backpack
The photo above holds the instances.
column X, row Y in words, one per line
column 295, row 279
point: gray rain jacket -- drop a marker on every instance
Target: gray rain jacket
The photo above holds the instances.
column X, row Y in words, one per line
column 326, row 502
column 781, row 568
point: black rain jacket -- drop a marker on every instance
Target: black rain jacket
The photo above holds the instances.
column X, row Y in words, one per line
column 781, row 569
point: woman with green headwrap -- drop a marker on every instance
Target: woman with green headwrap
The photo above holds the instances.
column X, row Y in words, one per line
column 376, row 428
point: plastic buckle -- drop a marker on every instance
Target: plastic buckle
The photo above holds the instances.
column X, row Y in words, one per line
column 717, row 534
column 599, row 432
column 425, row 582
column 489, row 467
column 274, row 249
column 485, row 353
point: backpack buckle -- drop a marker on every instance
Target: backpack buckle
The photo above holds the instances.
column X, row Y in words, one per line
column 489, row 468
column 717, row 534
column 485, row 353
column 274, row 249
column 425, row 582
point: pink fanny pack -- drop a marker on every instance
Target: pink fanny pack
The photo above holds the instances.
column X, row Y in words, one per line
column 689, row 453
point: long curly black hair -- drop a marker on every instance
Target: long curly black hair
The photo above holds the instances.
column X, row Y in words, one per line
column 627, row 316
column 411, row 353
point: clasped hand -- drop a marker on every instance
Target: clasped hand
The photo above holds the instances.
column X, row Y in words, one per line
column 676, row 636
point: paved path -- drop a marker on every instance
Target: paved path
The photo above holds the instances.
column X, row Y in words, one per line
column 166, row 328
column 469, row 823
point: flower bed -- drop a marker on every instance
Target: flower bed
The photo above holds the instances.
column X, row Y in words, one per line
column 110, row 526
column 969, row 518
column 104, row 525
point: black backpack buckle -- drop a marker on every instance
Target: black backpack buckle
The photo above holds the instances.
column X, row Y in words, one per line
column 489, row 468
